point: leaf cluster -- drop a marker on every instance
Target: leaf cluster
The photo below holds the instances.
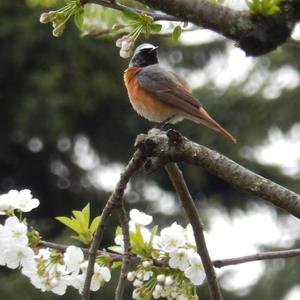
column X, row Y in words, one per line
column 267, row 7
column 80, row 223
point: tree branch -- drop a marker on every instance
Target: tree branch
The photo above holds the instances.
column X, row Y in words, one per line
column 181, row 188
column 127, row 250
column 121, row 7
column 113, row 202
column 173, row 147
column 255, row 34
column 218, row 263
column 255, row 257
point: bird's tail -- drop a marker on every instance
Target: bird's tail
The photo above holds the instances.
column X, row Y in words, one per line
column 205, row 119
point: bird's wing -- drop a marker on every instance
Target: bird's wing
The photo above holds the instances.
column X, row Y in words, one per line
column 168, row 88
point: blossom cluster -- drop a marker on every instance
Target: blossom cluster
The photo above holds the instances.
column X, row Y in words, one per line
column 59, row 17
column 170, row 266
column 47, row 269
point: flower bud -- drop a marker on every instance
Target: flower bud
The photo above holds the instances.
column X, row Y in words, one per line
column 156, row 295
column 146, row 263
column 137, row 283
column 58, row 31
column 130, row 276
column 124, row 54
column 161, row 278
column 140, row 275
column 47, row 17
column 169, row 280
column 127, row 44
column 158, row 288
column 119, row 42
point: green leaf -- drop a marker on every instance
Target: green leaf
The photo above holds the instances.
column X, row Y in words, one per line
column 156, row 27
column 81, row 219
column 118, row 231
column 146, row 20
column 94, row 224
column 71, row 223
column 137, row 242
column 176, row 33
column 78, row 19
column 104, row 260
column 153, row 233
column 86, row 213
column 116, row 264
column 116, row 249
column 263, row 6
column 131, row 14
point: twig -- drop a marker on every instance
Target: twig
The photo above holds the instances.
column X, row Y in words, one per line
column 121, row 7
column 187, row 202
column 112, row 203
column 255, row 257
column 218, row 263
column 171, row 146
column 123, row 220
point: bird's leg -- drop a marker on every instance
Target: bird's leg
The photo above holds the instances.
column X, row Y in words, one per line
column 162, row 125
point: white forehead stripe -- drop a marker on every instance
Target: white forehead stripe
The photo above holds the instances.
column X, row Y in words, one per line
column 144, row 46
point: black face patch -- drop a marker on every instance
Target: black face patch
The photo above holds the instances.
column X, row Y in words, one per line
column 145, row 57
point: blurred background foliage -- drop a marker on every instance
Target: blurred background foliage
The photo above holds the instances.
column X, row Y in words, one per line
column 67, row 128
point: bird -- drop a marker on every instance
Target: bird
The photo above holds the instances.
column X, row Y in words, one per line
column 160, row 95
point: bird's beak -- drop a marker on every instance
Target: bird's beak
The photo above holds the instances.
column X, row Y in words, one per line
column 154, row 49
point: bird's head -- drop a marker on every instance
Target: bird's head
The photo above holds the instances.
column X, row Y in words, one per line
column 144, row 55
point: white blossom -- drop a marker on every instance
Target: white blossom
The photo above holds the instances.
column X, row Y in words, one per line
column 2, row 260
column 50, row 281
column 5, row 204
column 77, row 281
column 43, row 253
column 18, row 255
column 189, row 235
column 171, row 238
column 139, row 217
column 13, row 233
column 23, row 200
column 119, row 240
column 30, row 269
column 179, row 259
column 73, row 257
column 20, row 200
column 195, row 272
column 101, row 275
column 53, row 279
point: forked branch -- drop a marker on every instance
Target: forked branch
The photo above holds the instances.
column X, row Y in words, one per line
column 188, row 204
column 164, row 147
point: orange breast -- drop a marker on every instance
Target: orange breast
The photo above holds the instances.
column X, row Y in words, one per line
column 143, row 102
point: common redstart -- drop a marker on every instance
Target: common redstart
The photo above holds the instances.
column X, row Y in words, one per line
column 160, row 95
